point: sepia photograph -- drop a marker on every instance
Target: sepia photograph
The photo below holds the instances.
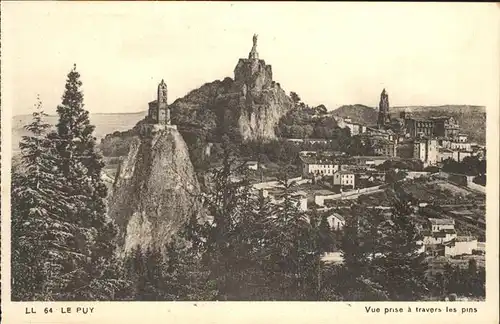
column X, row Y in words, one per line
column 322, row 152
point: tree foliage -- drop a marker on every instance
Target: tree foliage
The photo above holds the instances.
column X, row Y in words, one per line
column 61, row 199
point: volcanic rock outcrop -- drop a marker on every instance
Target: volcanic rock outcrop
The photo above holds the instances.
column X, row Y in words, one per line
column 260, row 101
column 155, row 190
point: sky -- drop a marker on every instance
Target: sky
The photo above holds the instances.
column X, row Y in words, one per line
column 329, row 53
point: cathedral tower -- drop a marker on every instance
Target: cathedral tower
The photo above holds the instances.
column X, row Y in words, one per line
column 384, row 118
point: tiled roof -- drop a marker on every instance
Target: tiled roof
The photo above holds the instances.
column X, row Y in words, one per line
column 339, row 217
column 315, row 160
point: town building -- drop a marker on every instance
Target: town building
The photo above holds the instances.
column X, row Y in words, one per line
column 460, row 245
column 384, row 147
column 440, row 231
column 379, row 134
column 253, row 165
column 419, row 127
column 444, row 154
column 455, row 144
column 355, row 128
column 439, row 224
column 308, row 140
column 369, row 160
column 445, row 126
column 315, row 166
column 322, row 153
column 426, row 150
column 344, row 178
column 274, row 195
column 336, row 221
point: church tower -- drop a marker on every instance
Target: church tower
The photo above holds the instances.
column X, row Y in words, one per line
column 384, row 118
column 163, row 112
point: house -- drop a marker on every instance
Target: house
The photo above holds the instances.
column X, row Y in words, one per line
column 253, row 165
column 440, row 237
column 309, row 140
column 295, row 140
column 344, row 178
column 438, row 224
column 442, row 126
column 441, row 230
column 462, row 138
column 369, row 160
column 418, row 126
column 355, row 128
column 308, row 153
column 444, row 154
column 322, row 166
column 460, row 245
column 457, row 145
column 377, row 176
column 375, row 133
column 336, row 221
column 299, row 197
column 384, row 147
column 445, row 126
column 426, row 150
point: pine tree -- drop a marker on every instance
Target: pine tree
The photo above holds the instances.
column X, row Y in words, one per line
column 359, row 246
column 401, row 266
column 227, row 201
column 91, row 275
column 39, row 229
column 291, row 264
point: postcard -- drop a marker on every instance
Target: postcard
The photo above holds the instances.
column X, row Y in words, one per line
column 227, row 162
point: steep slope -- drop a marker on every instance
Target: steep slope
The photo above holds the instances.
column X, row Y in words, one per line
column 155, row 190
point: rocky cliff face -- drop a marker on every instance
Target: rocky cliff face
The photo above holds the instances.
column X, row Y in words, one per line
column 155, row 190
column 261, row 101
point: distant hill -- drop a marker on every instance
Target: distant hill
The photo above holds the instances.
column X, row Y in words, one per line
column 104, row 124
column 472, row 119
column 358, row 113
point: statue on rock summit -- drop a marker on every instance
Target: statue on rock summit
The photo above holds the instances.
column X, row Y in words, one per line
column 253, row 53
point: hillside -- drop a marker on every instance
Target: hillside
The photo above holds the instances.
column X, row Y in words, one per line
column 472, row 119
column 358, row 113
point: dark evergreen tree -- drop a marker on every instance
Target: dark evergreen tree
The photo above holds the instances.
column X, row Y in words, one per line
column 226, row 200
column 40, row 232
column 91, row 274
column 359, row 246
column 291, row 267
column 401, row 266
